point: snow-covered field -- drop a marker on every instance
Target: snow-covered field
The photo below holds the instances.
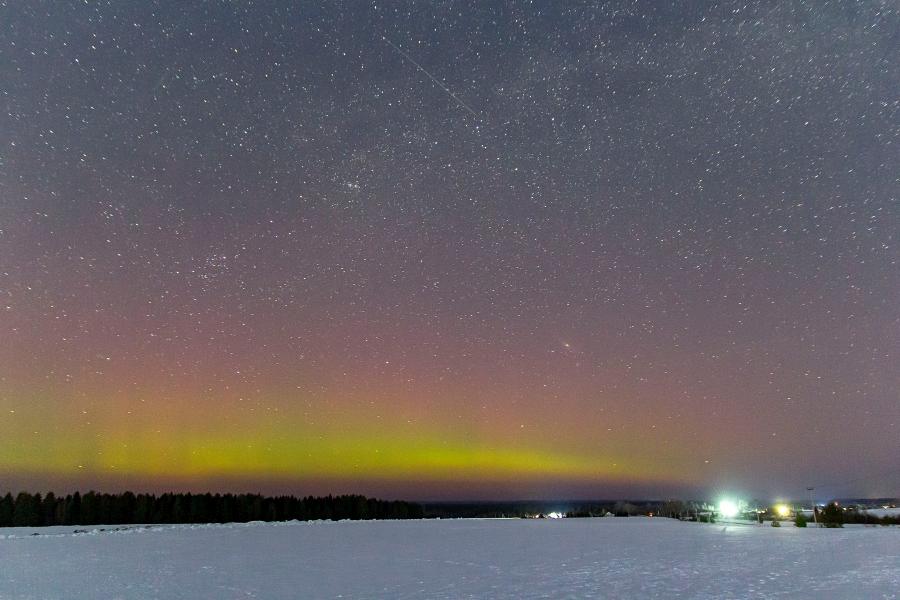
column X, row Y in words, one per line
column 567, row 558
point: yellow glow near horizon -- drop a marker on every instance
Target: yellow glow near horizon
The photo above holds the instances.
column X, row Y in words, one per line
column 122, row 436
column 281, row 451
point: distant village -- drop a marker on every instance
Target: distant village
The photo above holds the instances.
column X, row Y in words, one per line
column 836, row 513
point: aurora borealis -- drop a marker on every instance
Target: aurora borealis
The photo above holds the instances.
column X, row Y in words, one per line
column 619, row 248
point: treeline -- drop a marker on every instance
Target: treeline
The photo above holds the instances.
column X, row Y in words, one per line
column 485, row 510
column 833, row 515
column 864, row 518
column 92, row 508
column 527, row 509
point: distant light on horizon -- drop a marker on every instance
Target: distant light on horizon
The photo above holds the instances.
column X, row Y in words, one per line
column 728, row 508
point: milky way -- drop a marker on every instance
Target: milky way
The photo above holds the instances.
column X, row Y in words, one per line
column 486, row 249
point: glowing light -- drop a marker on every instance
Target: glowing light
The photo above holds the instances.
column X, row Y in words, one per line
column 728, row 509
column 782, row 510
column 555, row 515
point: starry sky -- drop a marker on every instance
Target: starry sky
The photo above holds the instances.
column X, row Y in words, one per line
column 450, row 249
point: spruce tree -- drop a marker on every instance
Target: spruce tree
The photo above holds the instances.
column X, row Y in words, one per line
column 833, row 515
column 27, row 512
column 48, row 509
column 7, row 507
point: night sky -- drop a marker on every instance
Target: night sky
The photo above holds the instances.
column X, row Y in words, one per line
column 450, row 249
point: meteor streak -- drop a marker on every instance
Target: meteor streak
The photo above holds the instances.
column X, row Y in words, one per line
column 430, row 76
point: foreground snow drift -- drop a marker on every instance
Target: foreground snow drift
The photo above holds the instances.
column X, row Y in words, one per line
column 576, row 558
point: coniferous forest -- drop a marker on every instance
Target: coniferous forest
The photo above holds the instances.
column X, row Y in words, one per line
column 92, row 508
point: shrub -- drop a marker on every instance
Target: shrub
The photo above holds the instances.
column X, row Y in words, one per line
column 800, row 519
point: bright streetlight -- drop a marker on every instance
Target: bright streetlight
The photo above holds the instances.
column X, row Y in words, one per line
column 728, row 509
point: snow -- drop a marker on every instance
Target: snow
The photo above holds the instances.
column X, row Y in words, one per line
column 563, row 558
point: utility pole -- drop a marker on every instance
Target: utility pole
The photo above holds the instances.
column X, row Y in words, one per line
column 813, row 505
